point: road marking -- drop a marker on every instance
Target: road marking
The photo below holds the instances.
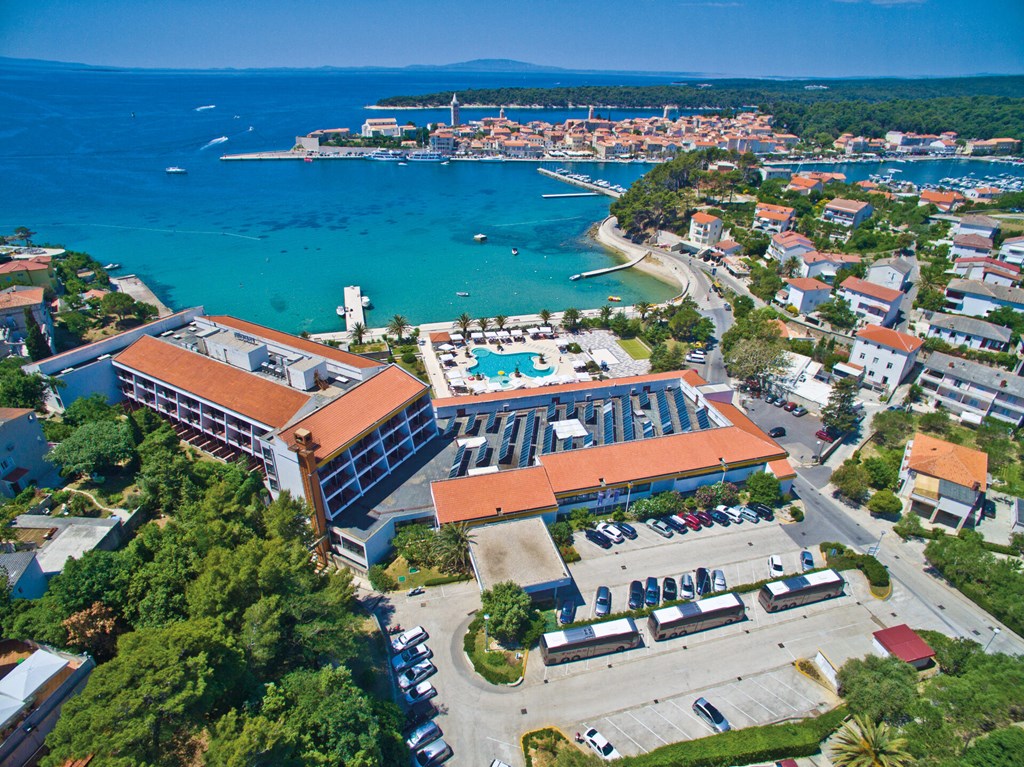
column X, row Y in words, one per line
column 752, row 698
column 500, row 742
column 631, row 716
column 626, row 734
column 654, row 708
column 798, row 693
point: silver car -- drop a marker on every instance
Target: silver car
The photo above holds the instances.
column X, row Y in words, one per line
column 436, row 753
column 408, row 639
column 711, row 715
column 422, row 735
column 411, row 657
column 415, row 674
column 659, row 527
column 686, row 590
column 718, row 581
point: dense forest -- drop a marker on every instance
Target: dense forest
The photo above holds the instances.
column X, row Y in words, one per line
column 978, row 107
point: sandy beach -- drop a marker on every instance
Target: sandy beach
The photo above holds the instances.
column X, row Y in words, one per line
column 606, row 233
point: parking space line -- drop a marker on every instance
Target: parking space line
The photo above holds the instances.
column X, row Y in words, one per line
column 797, row 692
column 753, row 699
column 677, row 727
column 630, row 715
column 626, row 734
column 689, row 712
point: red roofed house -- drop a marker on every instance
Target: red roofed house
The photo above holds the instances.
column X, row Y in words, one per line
column 804, row 185
column 32, row 272
column 874, row 304
column 705, row 229
column 887, row 356
column 944, row 201
column 14, row 302
column 825, row 266
column 773, row 218
column 944, row 482
column 848, row 213
column 987, row 269
column 787, row 245
column 903, row 642
column 807, row 293
column 971, row 246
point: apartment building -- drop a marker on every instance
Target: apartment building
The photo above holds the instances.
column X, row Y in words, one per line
column 887, row 356
column 1012, row 251
column 985, row 269
column 22, row 451
column 787, row 245
column 893, row 273
column 773, row 218
column 872, row 303
column 973, row 223
column 848, row 213
column 970, row 332
column 825, row 266
column 705, row 229
column 16, row 304
column 977, row 299
column 972, row 390
column 807, row 294
column 970, row 246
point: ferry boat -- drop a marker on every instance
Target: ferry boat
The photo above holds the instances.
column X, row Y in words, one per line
column 426, row 157
column 174, row 170
column 385, row 155
column 480, row 237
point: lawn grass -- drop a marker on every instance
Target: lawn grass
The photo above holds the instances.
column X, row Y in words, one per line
column 635, row 348
column 542, row 747
column 399, row 570
column 497, row 666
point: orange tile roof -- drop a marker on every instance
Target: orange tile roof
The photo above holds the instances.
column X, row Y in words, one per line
column 20, row 297
column 763, row 207
column 690, row 376
column 23, row 266
column 704, row 218
column 782, row 469
column 576, row 471
column 772, row 215
column 359, row 410
column 489, row 495
column 814, row 257
column 857, row 285
column 954, row 463
column 441, row 337
column 10, row 413
column 296, row 342
column 890, row 338
column 232, row 389
column 808, row 283
column 847, row 206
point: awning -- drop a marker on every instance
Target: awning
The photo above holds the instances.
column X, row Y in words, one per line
column 446, row 347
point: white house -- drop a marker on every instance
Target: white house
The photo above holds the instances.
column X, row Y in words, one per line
column 890, row 273
column 807, row 294
column 987, row 269
column 848, row 213
column 986, row 226
column 773, row 218
column 705, row 229
column 787, row 245
column 973, row 333
column 825, row 266
column 887, row 356
column 970, row 246
column 972, row 390
column 1012, row 251
column 977, row 299
column 874, row 304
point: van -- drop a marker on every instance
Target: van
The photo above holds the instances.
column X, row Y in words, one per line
column 749, row 515
column 734, row 514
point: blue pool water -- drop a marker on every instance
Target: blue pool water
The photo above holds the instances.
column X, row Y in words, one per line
column 500, row 367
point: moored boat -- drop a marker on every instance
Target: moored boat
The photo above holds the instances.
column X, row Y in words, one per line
column 480, row 237
column 174, row 170
column 386, row 155
column 462, row 294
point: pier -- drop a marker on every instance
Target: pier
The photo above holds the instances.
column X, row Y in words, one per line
column 131, row 285
column 576, row 182
column 610, row 269
column 354, row 306
column 570, row 194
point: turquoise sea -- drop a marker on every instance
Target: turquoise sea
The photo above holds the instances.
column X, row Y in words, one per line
column 82, row 153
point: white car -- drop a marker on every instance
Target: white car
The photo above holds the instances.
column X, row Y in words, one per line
column 411, row 657
column 611, row 531
column 408, row 639
column 415, row 674
column 775, row 566
column 600, row 744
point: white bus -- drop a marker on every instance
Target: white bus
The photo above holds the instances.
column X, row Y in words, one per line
column 801, row 590
column 690, row 617
column 588, row 641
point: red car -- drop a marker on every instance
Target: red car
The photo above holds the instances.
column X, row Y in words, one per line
column 705, row 518
column 826, row 435
column 789, row 407
column 692, row 521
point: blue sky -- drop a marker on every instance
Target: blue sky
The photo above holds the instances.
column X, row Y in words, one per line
column 744, row 37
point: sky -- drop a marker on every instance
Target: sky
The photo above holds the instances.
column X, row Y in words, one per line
column 795, row 38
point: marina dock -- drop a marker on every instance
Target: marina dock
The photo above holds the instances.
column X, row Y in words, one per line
column 610, row 269
column 576, row 182
column 137, row 289
column 570, row 194
column 354, row 306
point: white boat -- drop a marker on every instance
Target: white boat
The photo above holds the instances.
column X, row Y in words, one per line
column 426, row 157
column 174, row 170
column 365, row 301
column 480, row 237
column 111, row 267
column 462, row 294
column 492, row 158
column 386, row 155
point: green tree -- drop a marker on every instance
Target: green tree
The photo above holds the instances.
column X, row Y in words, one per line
column 885, row 503
column 500, row 321
column 464, row 322
column 357, row 332
column 483, row 323
column 510, row 611
column 852, row 480
column 883, row 472
column 1002, row 748
column 35, row 341
column 24, row 234
column 571, row 319
column 879, row 689
column 764, row 488
column 417, row 544
column 643, row 308
column 18, row 388
column 94, row 447
column 398, row 326
column 757, row 359
column 90, row 409
column 742, row 306
column 866, row 744
column 545, row 316
column 119, row 304
column 892, row 428
column 452, row 547
column 838, row 413
column 837, row 313
column 664, row 359
column 561, row 533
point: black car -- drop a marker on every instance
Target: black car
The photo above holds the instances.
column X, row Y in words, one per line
column 652, row 594
column 703, row 581
column 720, row 517
column 626, row 530
column 763, row 511
column 777, row 432
column 600, row 539
column 636, row 595
column 567, row 614
column 668, row 589
column 679, row 528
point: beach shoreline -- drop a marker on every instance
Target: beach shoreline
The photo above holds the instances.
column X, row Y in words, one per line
column 603, row 233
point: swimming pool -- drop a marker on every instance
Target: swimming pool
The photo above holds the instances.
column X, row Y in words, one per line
column 501, row 367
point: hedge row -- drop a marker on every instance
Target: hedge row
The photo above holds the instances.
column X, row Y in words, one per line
column 848, row 559
column 443, row 579
column 753, row 744
column 936, row 533
column 482, row 660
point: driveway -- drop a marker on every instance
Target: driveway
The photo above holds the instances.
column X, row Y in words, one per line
column 800, row 439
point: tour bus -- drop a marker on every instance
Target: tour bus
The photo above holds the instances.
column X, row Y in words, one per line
column 690, row 617
column 588, row 641
column 801, row 590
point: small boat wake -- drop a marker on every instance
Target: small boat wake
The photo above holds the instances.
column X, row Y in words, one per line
column 204, row 108
column 214, row 142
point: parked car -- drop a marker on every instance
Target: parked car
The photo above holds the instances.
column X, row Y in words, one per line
column 789, row 407
column 686, row 590
column 669, row 593
column 776, row 432
column 421, row 692
column 600, row 744
column 703, row 581
column 411, row 657
column 676, row 524
column 422, row 735
column 769, row 399
column 603, row 602
column 763, row 511
column 720, row 517
column 567, row 613
column 735, row 514
column 652, row 592
column 718, row 581
column 697, row 359
column 627, row 530
column 434, row 754
column 826, row 435
column 413, row 675
column 659, row 527
column 408, row 639
column 598, row 538
column 799, row 410
column 749, row 514
column 693, row 521
column 636, row 595
column 775, row 566
column 420, row 714
column 611, row 532
column 705, row 518
column 706, row 711
column 780, row 402
column 806, row 560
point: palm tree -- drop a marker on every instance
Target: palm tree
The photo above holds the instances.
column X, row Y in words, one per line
column 464, row 322
column 605, row 315
column 544, row 315
column 483, row 323
column 571, row 319
column 357, row 333
column 501, row 321
column 643, row 308
column 867, row 744
column 399, row 326
column 453, row 547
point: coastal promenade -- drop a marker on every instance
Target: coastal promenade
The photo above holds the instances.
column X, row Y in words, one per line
column 137, row 289
column 590, row 187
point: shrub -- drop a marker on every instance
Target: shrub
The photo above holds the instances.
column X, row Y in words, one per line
column 381, row 580
column 840, row 557
column 569, row 554
column 579, row 519
column 443, row 579
column 885, row 502
column 561, row 533
column 909, row 526
column 796, row 513
column 574, row 348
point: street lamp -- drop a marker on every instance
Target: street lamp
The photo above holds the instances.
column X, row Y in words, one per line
column 878, row 545
column 995, row 633
column 725, row 468
column 817, row 451
column 487, row 640
column 629, row 491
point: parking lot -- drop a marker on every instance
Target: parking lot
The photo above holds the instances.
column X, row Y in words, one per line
column 800, row 440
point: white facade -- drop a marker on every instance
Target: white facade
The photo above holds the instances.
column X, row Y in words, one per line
column 889, row 273
column 977, row 299
column 973, row 390
column 705, row 230
column 848, row 213
column 885, row 367
column 1012, row 251
column 807, row 298
column 871, row 308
